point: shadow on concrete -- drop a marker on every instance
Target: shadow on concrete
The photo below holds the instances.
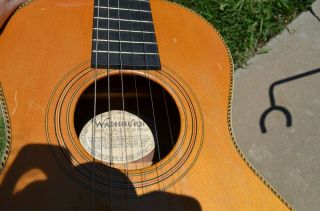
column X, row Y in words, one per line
column 62, row 187
column 313, row 13
column 275, row 107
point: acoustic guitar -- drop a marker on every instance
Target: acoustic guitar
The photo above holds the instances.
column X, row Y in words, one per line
column 120, row 105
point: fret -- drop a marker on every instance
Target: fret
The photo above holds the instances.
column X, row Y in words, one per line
column 119, row 52
column 123, row 41
column 124, row 25
column 129, row 61
column 121, row 30
column 132, row 4
column 118, row 19
column 121, row 9
column 123, row 35
column 124, row 14
column 139, row 47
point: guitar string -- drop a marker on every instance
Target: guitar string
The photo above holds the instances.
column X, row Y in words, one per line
column 135, row 82
column 95, row 112
column 170, row 129
column 123, row 107
column 122, row 88
column 130, row 141
column 152, row 103
column 143, row 41
column 142, row 153
column 109, row 114
column 138, row 112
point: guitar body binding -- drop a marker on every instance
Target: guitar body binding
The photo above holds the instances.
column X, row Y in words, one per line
column 45, row 53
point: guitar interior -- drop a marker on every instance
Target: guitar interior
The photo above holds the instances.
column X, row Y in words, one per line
column 140, row 96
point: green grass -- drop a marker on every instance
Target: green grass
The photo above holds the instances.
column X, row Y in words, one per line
column 247, row 25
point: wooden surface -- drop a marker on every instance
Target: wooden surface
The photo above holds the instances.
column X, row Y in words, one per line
column 46, row 45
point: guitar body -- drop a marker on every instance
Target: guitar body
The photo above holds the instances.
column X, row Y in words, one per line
column 45, row 53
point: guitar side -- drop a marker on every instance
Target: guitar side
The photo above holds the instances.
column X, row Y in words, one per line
column 49, row 39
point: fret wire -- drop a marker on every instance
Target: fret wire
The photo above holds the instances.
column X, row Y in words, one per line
column 123, row 30
column 122, row 52
column 118, row 19
column 125, row 41
column 141, row 0
column 145, row 29
column 124, row 9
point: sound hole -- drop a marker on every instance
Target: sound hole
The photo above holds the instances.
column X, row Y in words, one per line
column 141, row 129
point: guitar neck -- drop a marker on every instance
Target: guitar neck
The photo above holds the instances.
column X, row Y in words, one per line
column 124, row 36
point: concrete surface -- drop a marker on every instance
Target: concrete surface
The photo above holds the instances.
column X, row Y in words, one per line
column 316, row 8
column 287, row 157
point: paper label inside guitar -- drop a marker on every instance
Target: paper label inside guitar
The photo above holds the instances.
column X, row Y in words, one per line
column 117, row 137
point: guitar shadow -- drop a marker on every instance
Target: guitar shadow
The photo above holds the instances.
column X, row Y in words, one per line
column 58, row 188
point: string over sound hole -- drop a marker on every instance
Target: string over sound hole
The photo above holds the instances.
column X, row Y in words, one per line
column 136, row 137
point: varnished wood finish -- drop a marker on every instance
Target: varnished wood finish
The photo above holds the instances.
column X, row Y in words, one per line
column 47, row 44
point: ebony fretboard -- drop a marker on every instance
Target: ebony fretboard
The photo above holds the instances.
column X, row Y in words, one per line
column 123, row 35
